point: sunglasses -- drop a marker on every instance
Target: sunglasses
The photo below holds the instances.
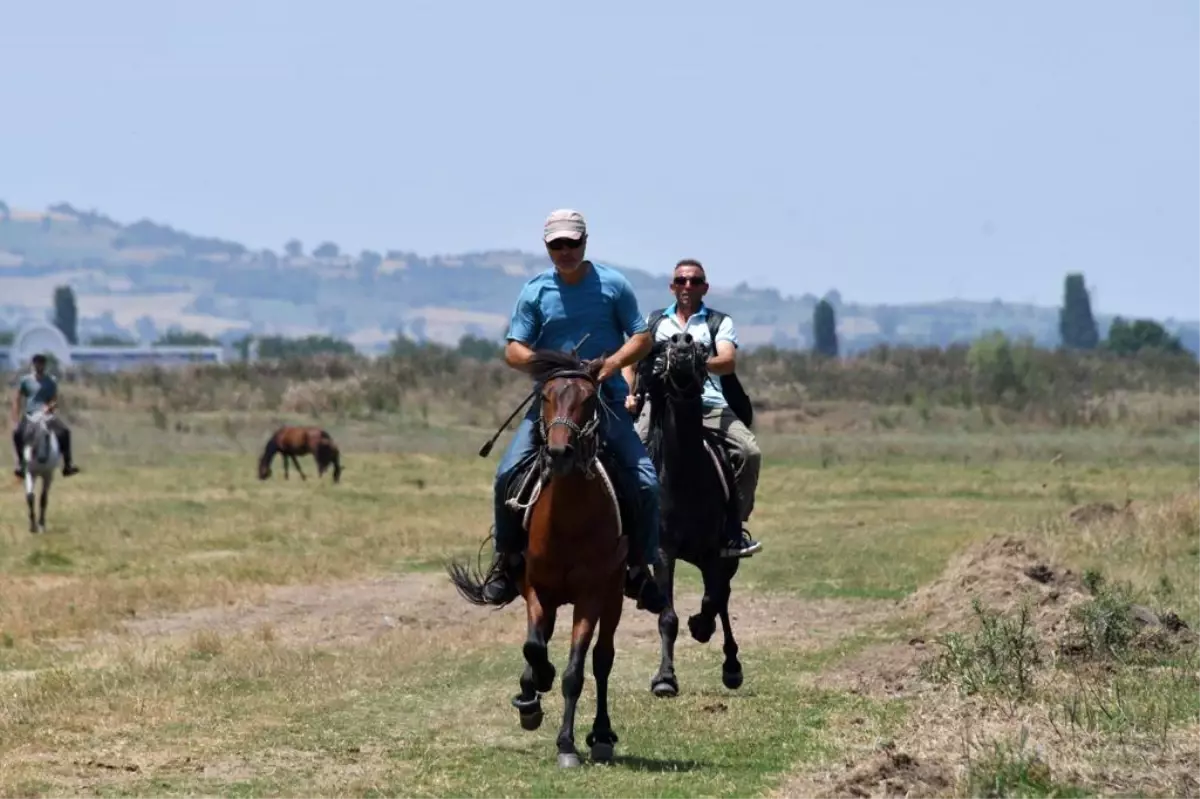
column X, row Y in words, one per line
column 565, row 244
column 689, row 281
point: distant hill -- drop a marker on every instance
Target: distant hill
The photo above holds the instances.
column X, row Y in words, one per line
column 143, row 279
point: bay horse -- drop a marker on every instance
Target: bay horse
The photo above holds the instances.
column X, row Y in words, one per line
column 698, row 501
column 575, row 554
column 42, row 455
column 290, row 441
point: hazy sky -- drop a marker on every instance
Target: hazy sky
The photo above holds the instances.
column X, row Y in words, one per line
column 896, row 151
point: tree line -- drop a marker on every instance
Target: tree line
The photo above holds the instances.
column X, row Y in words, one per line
column 1078, row 331
column 1076, row 326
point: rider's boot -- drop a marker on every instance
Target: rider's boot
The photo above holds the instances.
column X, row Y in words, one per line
column 739, row 543
column 640, row 584
column 19, row 471
column 64, row 443
column 500, row 586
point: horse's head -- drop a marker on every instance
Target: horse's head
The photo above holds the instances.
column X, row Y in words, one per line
column 680, row 367
column 38, row 435
column 570, row 413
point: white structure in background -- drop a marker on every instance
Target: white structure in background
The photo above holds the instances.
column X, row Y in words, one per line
column 46, row 338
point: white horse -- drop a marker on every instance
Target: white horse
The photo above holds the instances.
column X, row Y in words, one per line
column 41, row 459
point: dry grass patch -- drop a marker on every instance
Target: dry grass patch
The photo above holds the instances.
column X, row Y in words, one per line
column 1031, row 679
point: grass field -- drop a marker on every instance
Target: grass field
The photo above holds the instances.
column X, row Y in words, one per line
column 184, row 628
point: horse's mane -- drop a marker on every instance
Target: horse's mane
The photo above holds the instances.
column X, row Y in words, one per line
column 547, row 364
column 271, row 447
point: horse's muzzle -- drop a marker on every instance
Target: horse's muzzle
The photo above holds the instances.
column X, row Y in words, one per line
column 562, row 458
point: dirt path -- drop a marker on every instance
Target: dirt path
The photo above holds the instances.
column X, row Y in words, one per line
column 350, row 613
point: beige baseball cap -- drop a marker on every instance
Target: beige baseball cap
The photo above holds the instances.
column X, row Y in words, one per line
column 564, row 224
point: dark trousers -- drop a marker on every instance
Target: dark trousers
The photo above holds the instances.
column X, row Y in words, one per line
column 61, row 432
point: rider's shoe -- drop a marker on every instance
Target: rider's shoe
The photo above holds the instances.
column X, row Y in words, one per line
column 19, row 472
column 70, row 470
column 500, row 585
column 744, row 548
column 641, row 586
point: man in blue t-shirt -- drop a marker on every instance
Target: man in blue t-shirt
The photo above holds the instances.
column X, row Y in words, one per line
column 555, row 310
column 38, row 391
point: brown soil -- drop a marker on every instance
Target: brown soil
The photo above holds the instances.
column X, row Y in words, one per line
column 1098, row 512
column 929, row 754
column 355, row 612
column 1002, row 572
column 889, row 773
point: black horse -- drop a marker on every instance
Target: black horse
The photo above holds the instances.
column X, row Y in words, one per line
column 697, row 498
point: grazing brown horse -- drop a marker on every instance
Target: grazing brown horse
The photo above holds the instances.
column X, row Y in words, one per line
column 290, row 441
column 575, row 555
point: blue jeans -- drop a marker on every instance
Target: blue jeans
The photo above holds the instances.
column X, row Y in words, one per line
column 616, row 427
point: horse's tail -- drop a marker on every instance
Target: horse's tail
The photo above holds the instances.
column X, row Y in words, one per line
column 328, row 454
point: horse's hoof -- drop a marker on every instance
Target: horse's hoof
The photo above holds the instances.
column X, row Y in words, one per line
column 568, row 760
column 530, row 710
column 663, row 687
column 702, row 629
column 732, row 679
column 602, row 753
column 531, row 721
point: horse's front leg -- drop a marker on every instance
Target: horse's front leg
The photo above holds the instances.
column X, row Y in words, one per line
column 296, row 463
column 731, row 669
column 664, row 682
column 586, row 616
column 601, row 740
column 703, row 624
column 29, row 500
column 45, row 500
column 538, row 677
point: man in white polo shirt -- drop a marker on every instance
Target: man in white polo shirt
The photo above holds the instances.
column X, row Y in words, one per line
column 689, row 314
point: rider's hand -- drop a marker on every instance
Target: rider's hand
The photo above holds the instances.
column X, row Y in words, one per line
column 631, row 404
column 607, row 370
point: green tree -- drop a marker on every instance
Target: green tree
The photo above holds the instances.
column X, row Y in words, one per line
column 184, row 338
column 293, row 248
column 1143, row 334
column 825, row 340
column 282, row 348
column 109, row 340
column 479, row 348
column 327, row 250
column 1076, row 325
column 66, row 317
column 4, row 212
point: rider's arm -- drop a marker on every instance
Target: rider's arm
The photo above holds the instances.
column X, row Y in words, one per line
column 633, row 350
column 517, row 355
column 630, row 375
column 523, row 330
column 725, row 360
column 633, row 325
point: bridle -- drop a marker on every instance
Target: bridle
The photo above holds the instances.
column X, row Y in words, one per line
column 675, row 355
column 585, row 441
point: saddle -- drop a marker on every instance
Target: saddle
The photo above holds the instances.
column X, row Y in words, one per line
column 525, row 485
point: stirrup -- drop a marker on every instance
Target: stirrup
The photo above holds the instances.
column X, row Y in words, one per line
column 744, row 548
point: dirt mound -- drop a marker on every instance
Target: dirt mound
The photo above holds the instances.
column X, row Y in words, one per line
column 1001, row 572
column 888, row 773
column 1098, row 511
